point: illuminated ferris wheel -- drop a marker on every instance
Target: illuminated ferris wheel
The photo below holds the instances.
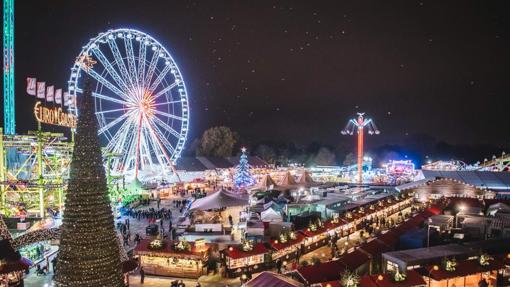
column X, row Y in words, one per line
column 141, row 101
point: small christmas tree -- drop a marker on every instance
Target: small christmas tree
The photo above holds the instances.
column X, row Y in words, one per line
column 89, row 253
column 243, row 177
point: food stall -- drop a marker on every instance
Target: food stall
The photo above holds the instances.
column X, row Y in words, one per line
column 173, row 258
column 287, row 245
column 247, row 256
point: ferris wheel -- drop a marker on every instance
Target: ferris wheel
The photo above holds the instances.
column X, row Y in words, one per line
column 141, row 101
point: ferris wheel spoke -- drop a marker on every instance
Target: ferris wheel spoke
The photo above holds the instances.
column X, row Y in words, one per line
column 109, row 111
column 152, row 68
column 113, row 123
column 165, row 90
column 168, row 115
column 167, row 103
column 131, row 59
column 155, row 136
column 162, row 139
column 118, row 59
column 159, row 153
column 106, row 83
column 110, row 69
column 117, row 142
column 141, row 62
column 166, row 127
column 106, row 98
column 160, row 78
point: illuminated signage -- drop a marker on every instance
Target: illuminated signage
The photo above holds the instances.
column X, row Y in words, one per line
column 54, row 116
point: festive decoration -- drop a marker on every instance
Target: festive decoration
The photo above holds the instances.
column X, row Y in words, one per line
column 243, row 177
column 156, row 244
column 182, row 246
column 89, row 253
column 350, row 279
column 247, row 245
column 449, row 264
column 485, row 259
column 399, row 277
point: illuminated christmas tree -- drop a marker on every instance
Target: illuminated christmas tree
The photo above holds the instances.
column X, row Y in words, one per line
column 243, row 177
column 89, row 253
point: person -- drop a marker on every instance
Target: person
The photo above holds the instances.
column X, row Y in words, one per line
column 142, row 275
column 230, row 220
column 54, row 263
column 198, row 284
column 181, row 284
column 279, row 266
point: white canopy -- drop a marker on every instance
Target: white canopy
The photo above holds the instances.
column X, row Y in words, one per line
column 271, row 215
column 220, row 199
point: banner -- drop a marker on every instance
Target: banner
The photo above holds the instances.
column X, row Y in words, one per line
column 41, row 90
column 66, row 98
column 49, row 93
column 31, row 86
column 58, row 96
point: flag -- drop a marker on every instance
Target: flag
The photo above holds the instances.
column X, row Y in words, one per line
column 41, row 90
column 31, row 86
column 50, row 93
column 58, row 96
column 66, row 98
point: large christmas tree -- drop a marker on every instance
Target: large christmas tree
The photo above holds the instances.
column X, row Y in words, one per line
column 243, row 177
column 89, row 253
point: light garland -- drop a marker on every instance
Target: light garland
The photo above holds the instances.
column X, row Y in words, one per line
column 88, row 254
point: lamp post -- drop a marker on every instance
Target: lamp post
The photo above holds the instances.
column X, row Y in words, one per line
column 434, row 268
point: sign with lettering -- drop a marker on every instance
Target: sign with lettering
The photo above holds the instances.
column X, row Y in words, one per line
column 54, row 116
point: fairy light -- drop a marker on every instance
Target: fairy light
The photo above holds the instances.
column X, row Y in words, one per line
column 89, row 253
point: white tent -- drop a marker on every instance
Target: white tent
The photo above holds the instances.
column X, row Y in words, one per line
column 287, row 180
column 220, row 199
column 271, row 215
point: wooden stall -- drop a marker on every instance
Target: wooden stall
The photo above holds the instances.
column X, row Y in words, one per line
column 173, row 258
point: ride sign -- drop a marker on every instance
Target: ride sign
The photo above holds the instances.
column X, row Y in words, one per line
column 54, row 116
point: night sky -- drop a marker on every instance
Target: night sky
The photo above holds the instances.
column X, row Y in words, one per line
column 298, row 70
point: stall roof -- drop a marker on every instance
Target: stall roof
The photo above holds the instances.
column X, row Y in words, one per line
column 413, row 279
column 423, row 255
column 280, row 246
column 464, row 268
column 267, row 278
column 220, row 199
column 236, row 252
column 168, row 251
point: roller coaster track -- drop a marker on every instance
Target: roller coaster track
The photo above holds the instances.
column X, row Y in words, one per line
column 501, row 163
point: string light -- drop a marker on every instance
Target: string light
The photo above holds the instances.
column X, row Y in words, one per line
column 89, row 253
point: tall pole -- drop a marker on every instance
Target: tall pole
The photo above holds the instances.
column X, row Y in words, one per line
column 8, row 49
column 40, row 180
column 360, row 154
column 2, row 169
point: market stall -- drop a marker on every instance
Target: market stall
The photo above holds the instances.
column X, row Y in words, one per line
column 287, row 245
column 173, row 258
column 247, row 256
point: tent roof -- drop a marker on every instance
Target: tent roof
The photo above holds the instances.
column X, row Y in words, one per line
column 305, row 178
column 266, row 182
column 220, row 199
column 270, row 214
column 287, row 180
column 268, row 278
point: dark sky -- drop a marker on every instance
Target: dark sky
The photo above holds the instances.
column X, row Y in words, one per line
column 298, row 70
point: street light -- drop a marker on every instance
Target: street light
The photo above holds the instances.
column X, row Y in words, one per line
column 434, row 268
